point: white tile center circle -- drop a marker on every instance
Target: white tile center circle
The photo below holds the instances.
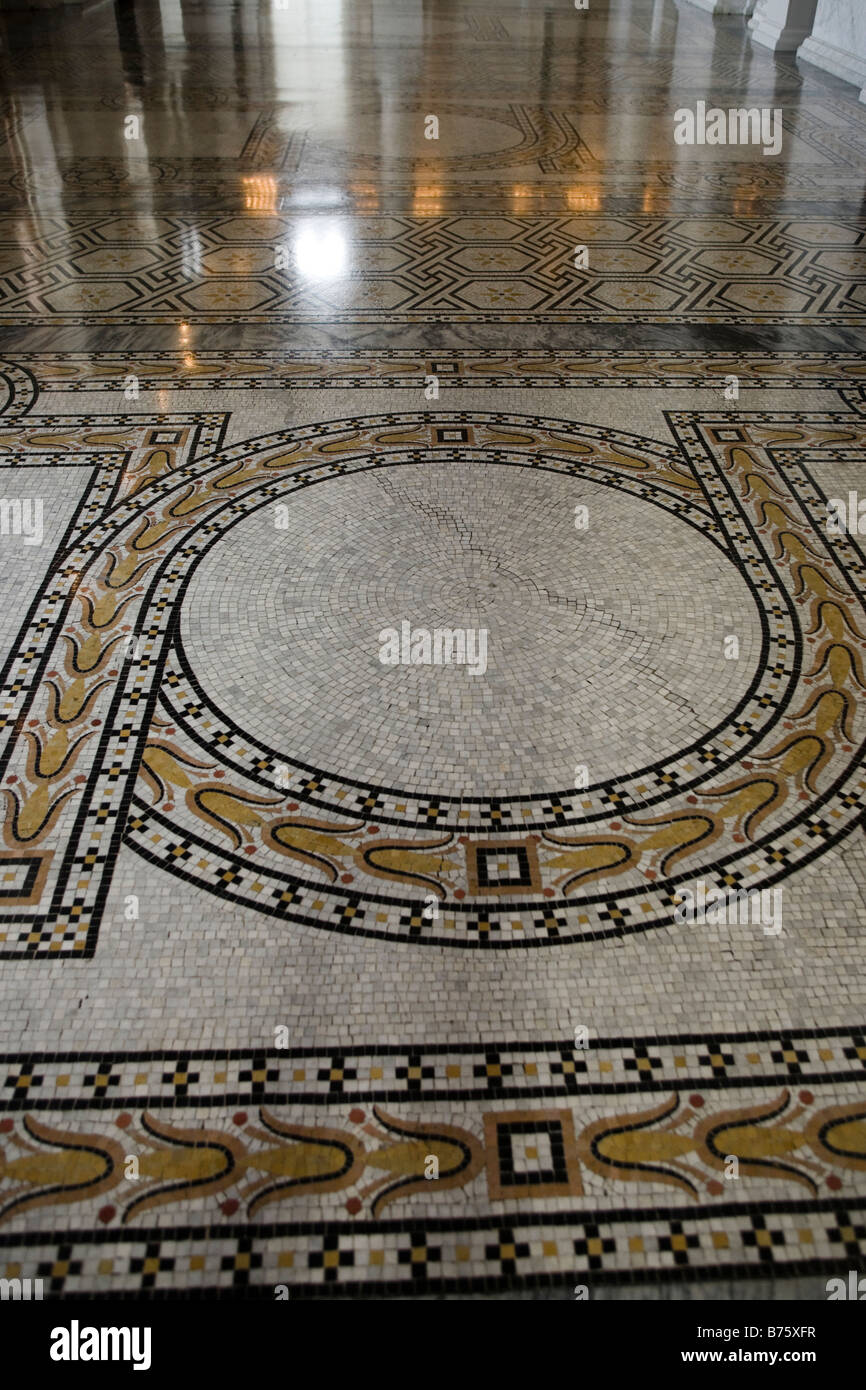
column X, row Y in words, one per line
column 604, row 646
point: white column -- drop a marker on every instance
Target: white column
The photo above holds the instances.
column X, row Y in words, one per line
column 838, row 41
column 782, row 24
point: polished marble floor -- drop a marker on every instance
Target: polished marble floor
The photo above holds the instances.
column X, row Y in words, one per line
column 433, row 688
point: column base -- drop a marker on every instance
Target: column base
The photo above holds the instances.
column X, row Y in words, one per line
column 851, row 67
column 782, row 25
column 780, row 40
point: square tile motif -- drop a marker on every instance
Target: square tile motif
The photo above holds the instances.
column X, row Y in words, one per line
column 532, row 1152
column 500, row 867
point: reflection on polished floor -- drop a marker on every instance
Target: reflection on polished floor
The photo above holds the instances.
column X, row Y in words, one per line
column 434, row 679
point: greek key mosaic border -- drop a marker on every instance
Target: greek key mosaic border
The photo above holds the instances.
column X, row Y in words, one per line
column 406, row 268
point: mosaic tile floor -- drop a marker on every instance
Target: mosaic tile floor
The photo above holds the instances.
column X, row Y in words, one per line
column 326, row 962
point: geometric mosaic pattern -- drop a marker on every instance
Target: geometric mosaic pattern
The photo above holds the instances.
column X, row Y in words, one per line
column 407, row 269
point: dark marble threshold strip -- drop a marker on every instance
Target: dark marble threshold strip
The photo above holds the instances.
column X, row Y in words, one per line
column 555, row 337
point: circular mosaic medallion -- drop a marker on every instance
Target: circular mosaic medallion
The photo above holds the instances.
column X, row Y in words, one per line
column 383, row 133
column 413, row 137
column 583, row 663
column 647, row 714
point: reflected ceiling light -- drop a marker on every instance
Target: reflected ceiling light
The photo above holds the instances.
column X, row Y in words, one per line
column 583, row 199
column 260, row 193
column 427, row 200
column 366, row 196
column 321, row 252
column 654, row 200
column 190, row 251
column 316, row 196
